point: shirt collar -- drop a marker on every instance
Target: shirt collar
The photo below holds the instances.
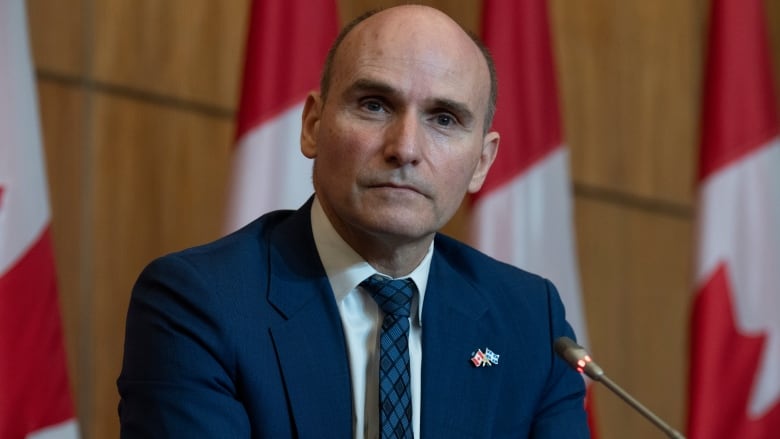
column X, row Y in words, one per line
column 345, row 268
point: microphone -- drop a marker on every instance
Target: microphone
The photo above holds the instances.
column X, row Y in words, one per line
column 577, row 357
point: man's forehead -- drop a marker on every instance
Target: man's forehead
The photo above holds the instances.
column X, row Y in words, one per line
column 411, row 24
column 436, row 49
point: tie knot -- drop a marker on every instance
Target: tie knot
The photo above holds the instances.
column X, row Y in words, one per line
column 394, row 296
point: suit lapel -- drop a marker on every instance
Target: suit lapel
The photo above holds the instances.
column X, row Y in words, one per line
column 310, row 343
column 455, row 393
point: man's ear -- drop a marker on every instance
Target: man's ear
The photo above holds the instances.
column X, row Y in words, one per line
column 312, row 111
column 486, row 158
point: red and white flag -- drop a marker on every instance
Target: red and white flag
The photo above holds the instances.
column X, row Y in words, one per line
column 286, row 47
column 35, row 399
column 735, row 329
column 523, row 214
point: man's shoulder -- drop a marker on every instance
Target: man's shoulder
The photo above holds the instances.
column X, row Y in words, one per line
column 231, row 252
column 249, row 238
column 478, row 266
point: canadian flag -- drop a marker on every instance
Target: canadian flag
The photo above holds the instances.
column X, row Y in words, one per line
column 735, row 330
column 523, row 214
column 35, row 400
column 286, row 47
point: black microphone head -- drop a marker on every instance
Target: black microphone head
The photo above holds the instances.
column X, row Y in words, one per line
column 564, row 345
column 577, row 357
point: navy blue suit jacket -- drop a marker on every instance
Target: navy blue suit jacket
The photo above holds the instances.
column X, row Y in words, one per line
column 242, row 338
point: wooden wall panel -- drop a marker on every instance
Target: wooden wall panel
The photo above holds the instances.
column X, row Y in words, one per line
column 629, row 74
column 58, row 34
column 186, row 49
column 159, row 182
column 635, row 269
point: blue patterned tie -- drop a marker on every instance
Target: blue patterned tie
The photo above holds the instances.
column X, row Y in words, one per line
column 394, row 297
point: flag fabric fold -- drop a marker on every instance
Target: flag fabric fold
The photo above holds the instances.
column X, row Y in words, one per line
column 286, row 46
column 523, row 214
column 735, row 324
column 35, row 399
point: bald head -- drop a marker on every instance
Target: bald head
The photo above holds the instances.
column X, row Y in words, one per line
column 406, row 27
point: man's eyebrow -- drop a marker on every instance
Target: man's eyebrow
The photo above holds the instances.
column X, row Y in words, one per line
column 364, row 85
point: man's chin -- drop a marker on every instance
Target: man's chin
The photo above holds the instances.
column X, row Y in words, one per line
column 399, row 230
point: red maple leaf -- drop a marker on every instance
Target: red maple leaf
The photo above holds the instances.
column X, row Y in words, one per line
column 723, row 369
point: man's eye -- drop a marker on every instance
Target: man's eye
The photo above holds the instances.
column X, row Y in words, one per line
column 373, row 106
column 445, row 119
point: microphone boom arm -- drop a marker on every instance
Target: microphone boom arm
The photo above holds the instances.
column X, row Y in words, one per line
column 577, row 357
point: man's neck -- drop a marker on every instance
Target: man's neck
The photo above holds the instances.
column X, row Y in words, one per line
column 391, row 255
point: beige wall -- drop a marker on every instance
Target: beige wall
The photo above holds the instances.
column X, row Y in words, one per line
column 137, row 101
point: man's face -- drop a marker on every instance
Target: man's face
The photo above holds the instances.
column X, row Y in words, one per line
column 400, row 138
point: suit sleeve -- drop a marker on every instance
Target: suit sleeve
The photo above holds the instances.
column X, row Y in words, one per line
column 561, row 412
column 176, row 379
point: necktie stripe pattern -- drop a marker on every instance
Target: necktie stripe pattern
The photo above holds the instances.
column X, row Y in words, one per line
column 394, row 297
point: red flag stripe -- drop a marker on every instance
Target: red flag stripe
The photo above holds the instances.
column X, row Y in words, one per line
column 35, row 391
column 739, row 113
column 527, row 109
column 287, row 43
column 283, row 57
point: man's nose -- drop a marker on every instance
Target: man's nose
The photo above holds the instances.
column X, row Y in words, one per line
column 404, row 139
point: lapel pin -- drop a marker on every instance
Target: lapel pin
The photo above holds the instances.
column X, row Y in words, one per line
column 482, row 359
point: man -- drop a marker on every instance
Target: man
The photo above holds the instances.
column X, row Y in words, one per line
column 272, row 331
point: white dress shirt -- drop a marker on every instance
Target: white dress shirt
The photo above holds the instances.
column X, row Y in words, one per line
column 361, row 319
